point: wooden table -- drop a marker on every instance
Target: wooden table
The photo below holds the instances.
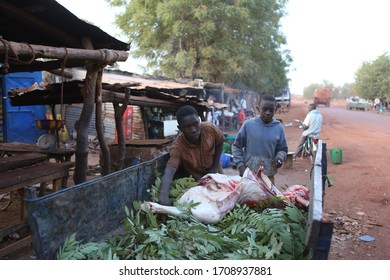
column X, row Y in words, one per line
column 20, row 156
column 17, row 161
column 20, row 171
column 14, row 148
column 25, row 169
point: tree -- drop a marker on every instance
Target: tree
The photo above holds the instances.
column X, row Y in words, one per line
column 336, row 91
column 346, row 91
column 221, row 41
column 372, row 79
column 308, row 92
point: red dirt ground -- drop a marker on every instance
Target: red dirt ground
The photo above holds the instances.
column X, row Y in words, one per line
column 358, row 201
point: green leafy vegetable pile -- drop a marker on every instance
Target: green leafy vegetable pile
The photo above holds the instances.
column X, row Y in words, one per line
column 244, row 233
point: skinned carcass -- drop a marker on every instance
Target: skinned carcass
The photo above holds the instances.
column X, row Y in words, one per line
column 298, row 194
column 217, row 194
column 258, row 190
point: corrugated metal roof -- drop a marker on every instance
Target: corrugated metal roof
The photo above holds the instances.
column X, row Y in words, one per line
column 144, row 92
column 48, row 23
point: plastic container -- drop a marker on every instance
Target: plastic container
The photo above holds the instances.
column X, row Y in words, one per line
column 225, row 160
column 227, row 148
column 230, row 137
column 336, row 155
column 49, row 124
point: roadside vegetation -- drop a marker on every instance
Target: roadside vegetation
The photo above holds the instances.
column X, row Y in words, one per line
column 238, row 43
column 372, row 80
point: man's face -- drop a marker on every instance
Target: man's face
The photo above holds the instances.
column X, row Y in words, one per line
column 190, row 126
column 267, row 110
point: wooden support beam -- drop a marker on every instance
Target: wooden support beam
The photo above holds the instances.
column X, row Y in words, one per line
column 118, row 97
column 41, row 66
column 24, row 50
column 8, row 163
column 105, row 168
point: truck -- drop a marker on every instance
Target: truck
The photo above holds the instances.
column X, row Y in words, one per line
column 94, row 210
column 283, row 98
column 357, row 103
column 322, row 96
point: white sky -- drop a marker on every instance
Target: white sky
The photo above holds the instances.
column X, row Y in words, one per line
column 328, row 39
column 100, row 14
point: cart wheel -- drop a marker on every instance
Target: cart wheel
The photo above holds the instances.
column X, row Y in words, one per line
column 6, row 200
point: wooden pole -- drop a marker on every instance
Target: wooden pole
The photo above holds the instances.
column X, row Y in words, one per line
column 82, row 148
column 81, row 154
column 105, row 169
column 24, row 50
column 119, row 111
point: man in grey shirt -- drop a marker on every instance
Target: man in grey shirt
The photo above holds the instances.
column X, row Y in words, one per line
column 261, row 141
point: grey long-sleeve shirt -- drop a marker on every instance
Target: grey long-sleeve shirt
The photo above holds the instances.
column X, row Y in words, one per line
column 258, row 143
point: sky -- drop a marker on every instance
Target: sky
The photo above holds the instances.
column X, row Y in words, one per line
column 327, row 39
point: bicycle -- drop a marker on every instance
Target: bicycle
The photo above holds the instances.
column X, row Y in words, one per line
column 309, row 148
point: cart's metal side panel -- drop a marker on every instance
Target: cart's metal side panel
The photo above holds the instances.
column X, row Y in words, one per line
column 91, row 210
column 318, row 233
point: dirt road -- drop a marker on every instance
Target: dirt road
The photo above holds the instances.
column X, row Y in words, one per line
column 358, row 201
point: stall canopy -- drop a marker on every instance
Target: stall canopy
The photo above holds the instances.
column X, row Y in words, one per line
column 47, row 23
column 42, row 35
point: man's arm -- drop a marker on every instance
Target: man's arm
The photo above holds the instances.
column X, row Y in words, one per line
column 238, row 152
column 166, row 185
column 217, row 158
column 306, row 122
column 281, row 150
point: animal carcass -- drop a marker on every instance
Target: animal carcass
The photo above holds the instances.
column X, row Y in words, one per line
column 217, row 194
column 298, row 194
column 258, row 188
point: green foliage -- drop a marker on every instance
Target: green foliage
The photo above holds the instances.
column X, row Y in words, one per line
column 220, row 41
column 336, row 91
column 180, row 186
column 372, row 79
column 308, row 92
column 346, row 91
column 74, row 250
column 244, row 233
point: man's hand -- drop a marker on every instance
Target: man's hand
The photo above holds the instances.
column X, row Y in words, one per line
column 277, row 162
column 163, row 199
column 242, row 169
